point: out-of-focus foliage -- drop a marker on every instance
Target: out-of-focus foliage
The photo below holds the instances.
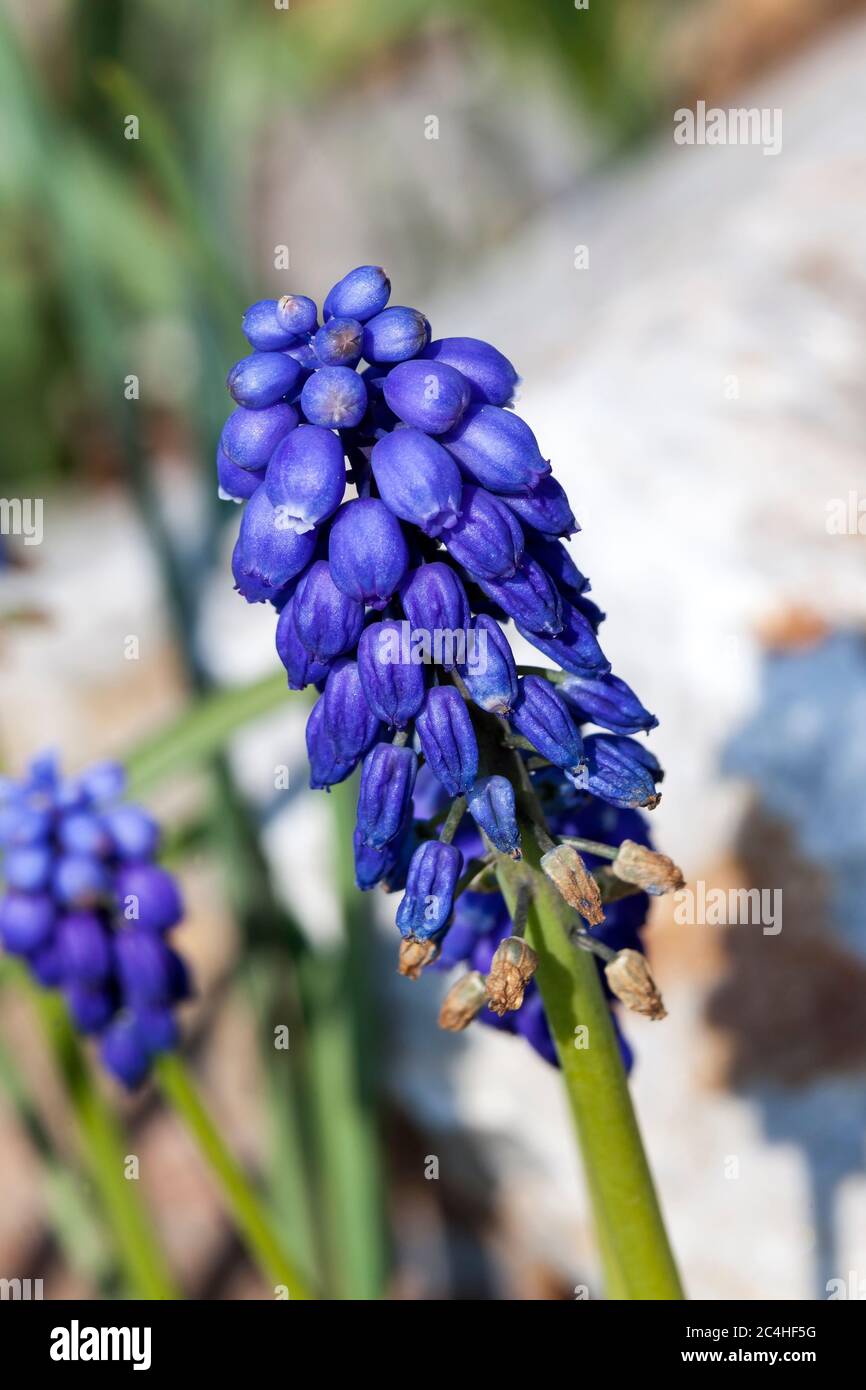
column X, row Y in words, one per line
column 101, row 234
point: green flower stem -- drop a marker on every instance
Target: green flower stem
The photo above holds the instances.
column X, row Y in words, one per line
column 245, row 1206
column 631, row 1230
column 105, row 1155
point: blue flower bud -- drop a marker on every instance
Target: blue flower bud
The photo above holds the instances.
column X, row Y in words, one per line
column 528, row 596
column 157, row 1028
column 367, row 551
column 85, row 948
column 21, row 824
column 327, row 767
column 497, row 449
column 26, row 921
column 264, row 328
column 338, row 343
column 306, row 477
column 103, row 781
column 148, row 896
column 559, row 565
column 82, row 832
column 27, row 868
column 490, row 375
column 395, row 335
column 575, row 647
column 417, row 479
column 91, row 1006
column 435, row 603
column 302, row 667
column 249, row 437
column 493, row 808
column 388, row 866
column 487, row 539
column 335, row 398
column 430, row 396
column 429, row 897
column 123, row 1051
column 297, row 314
column 79, row 879
column 541, row 716
column 46, row 963
column 327, row 620
column 387, row 780
column 262, row 379
column 133, row 832
column 590, row 611
column 268, row 555
column 150, row 972
column 490, row 674
column 359, row 295
column 545, row 507
column 608, row 701
column 448, row 739
column 393, row 683
column 351, row 724
column 235, row 484
column 620, row 771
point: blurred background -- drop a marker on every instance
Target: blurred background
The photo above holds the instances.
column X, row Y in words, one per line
column 690, row 325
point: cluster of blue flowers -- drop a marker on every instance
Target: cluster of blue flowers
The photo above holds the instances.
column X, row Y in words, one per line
column 88, row 908
column 391, row 603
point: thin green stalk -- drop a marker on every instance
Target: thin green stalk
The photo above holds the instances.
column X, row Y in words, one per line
column 341, row 1036
column 105, row 1154
column 632, row 1231
column 75, row 1216
column 245, row 1206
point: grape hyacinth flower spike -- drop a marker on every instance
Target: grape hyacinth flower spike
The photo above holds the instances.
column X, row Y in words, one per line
column 89, row 910
column 398, row 513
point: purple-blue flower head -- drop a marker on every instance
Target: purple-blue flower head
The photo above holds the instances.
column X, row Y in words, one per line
column 95, row 886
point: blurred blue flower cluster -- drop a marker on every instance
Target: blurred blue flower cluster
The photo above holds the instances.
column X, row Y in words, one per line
column 88, row 908
column 392, row 601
